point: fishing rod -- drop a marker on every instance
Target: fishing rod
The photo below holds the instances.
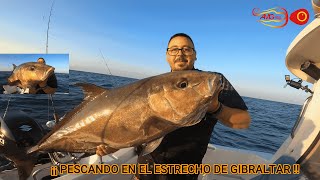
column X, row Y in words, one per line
column 55, row 156
column 104, row 60
column 48, row 27
column 55, row 115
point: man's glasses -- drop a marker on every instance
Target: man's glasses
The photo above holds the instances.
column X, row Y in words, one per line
column 187, row 51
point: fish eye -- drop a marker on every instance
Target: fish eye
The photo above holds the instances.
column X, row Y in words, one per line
column 32, row 68
column 182, row 84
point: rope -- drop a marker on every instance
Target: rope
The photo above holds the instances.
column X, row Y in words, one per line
column 55, row 116
column 5, row 112
column 48, row 106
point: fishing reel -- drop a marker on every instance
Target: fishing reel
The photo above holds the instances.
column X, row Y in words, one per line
column 296, row 84
column 19, row 132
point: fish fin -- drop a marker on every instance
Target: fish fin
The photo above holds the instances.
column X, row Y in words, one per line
column 33, row 149
column 14, row 66
column 151, row 146
column 90, row 90
column 25, row 168
column 69, row 115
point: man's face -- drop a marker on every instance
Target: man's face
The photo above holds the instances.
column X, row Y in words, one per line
column 180, row 61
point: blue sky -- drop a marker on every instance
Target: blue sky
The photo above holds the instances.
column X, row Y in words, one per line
column 133, row 36
column 59, row 61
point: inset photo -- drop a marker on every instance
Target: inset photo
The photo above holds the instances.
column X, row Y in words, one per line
column 34, row 73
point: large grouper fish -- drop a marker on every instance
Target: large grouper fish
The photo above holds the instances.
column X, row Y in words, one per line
column 29, row 75
column 138, row 113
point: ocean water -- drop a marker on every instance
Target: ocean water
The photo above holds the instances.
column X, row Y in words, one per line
column 62, row 78
column 271, row 121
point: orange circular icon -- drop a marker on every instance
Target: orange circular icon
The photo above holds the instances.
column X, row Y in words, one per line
column 305, row 15
column 300, row 16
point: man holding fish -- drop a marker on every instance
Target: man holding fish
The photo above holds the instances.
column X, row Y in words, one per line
column 50, row 85
column 188, row 145
column 32, row 78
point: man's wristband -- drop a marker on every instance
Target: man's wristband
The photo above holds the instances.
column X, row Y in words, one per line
column 218, row 111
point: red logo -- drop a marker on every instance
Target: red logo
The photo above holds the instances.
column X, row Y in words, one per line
column 300, row 16
column 276, row 17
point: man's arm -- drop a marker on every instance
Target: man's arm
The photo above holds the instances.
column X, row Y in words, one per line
column 49, row 86
column 234, row 117
column 47, row 89
column 231, row 117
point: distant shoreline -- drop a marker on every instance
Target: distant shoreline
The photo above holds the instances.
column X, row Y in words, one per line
column 104, row 74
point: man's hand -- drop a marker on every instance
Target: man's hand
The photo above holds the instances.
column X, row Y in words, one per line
column 103, row 150
column 231, row 117
column 47, row 89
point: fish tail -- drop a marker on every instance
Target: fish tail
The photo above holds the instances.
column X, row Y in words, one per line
column 25, row 168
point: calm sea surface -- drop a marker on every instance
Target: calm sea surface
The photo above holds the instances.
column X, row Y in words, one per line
column 271, row 121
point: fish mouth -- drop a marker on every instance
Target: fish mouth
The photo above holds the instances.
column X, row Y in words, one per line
column 209, row 88
column 197, row 117
column 49, row 73
column 14, row 83
column 207, row 92
column 195, row 120
column 10, row 81
column 213, row 84
column 51, row 70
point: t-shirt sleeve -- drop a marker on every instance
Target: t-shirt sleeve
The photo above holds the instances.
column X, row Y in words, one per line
column 229, row 96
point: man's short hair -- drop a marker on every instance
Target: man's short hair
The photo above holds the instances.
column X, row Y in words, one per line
column 41, row 58
column 183, row 35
